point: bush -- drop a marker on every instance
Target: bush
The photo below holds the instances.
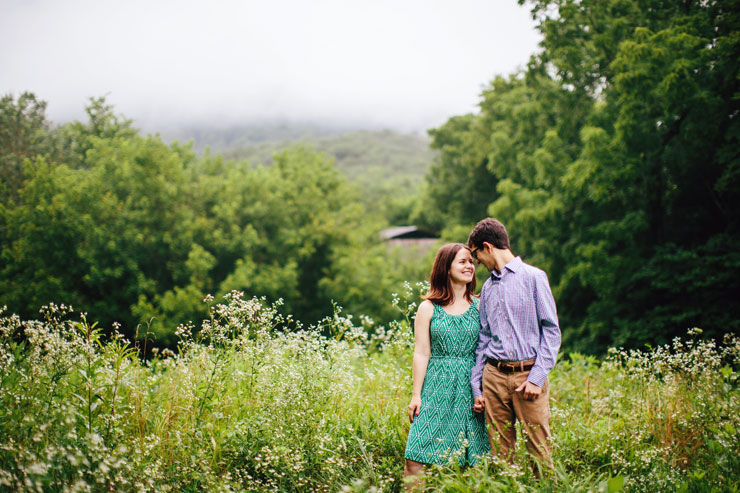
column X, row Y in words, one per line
column 253, row 401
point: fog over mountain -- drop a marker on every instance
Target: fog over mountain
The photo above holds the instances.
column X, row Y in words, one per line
column 384, row 64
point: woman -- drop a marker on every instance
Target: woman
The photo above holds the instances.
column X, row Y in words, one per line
column 443, row 424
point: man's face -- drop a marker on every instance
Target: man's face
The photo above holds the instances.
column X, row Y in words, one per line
column 484, row 255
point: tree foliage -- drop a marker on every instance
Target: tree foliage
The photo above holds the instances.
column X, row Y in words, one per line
column 613, row 160
column 23, row 133
column 385, row 166
column 132, row 230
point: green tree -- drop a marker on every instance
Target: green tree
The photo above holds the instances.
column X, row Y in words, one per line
column 102, row 123
column 24, row 134
column 613, row 161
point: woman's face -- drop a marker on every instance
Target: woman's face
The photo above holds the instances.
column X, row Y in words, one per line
column 462, row 269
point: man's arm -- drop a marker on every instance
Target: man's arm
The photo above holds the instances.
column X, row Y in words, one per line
column 547, row 352
column 484, row 337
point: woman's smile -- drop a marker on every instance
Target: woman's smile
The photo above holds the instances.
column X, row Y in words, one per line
column 462, row 268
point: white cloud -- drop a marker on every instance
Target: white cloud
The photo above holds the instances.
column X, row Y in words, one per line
column 396, row 63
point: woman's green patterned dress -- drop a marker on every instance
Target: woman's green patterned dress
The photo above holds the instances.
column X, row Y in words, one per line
column 446, row 426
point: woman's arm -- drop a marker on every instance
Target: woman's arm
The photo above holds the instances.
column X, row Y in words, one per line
column 422, row 351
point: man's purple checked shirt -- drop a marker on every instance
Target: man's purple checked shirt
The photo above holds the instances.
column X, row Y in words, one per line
column 519, row 322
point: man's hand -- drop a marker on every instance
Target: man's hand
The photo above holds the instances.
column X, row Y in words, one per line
column 479, row 404
column 414, row 407
column 531, row 391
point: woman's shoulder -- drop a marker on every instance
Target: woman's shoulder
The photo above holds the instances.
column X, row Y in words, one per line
column 426, row 308
column 475, row 307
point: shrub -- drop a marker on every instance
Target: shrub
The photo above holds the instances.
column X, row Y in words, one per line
column 253, row 401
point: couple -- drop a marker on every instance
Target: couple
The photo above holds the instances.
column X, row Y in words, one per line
column 481, row 357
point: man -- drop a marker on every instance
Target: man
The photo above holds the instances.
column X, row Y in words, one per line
column 517, row 347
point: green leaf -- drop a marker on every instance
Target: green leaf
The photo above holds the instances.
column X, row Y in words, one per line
column 615, row 484
column 80, row 398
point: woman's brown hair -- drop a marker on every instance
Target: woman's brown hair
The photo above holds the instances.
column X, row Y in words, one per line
column 440, row 286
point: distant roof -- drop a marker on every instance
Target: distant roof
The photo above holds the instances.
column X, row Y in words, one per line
column 406, row 232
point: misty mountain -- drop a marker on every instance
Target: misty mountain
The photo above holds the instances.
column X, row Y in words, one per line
column 361, row 155
column 364, row 156
column 220, row 138
column 386, row 166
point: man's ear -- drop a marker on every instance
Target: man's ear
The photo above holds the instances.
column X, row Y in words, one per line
column 488, row 246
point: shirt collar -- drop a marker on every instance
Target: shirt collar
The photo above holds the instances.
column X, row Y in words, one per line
column 512, row 266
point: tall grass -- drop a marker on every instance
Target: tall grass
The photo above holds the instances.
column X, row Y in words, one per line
column 252, row 401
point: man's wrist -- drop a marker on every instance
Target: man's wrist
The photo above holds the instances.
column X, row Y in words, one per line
column 537, row 379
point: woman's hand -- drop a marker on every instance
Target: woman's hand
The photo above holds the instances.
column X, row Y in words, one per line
column 414, row 408
column 479, row 404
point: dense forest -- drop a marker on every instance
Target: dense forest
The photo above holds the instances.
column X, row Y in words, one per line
column 388, row 167
column 135, row 231
column 613, row 159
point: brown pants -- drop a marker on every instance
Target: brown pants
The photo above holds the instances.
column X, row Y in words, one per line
column 504, row 407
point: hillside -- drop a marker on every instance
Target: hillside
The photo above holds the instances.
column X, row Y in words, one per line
column 385, row 166
column 219, row 138
column 357, row 153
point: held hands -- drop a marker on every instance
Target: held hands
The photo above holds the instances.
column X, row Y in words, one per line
column 479, row 404
column 531, row 391
column 414, row 407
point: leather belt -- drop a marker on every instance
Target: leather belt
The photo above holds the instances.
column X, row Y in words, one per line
column 511, row 366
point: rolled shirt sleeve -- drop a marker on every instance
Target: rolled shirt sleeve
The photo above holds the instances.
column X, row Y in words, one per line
column 550, row 336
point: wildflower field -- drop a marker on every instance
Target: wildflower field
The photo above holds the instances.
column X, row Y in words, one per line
column 251, row 401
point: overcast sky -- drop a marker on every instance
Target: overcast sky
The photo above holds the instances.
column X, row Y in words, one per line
column 402, row 64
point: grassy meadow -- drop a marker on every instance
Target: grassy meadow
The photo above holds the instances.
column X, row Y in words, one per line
column 253, row 401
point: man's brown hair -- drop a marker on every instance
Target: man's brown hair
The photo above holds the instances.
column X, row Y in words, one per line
column 489, row 230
